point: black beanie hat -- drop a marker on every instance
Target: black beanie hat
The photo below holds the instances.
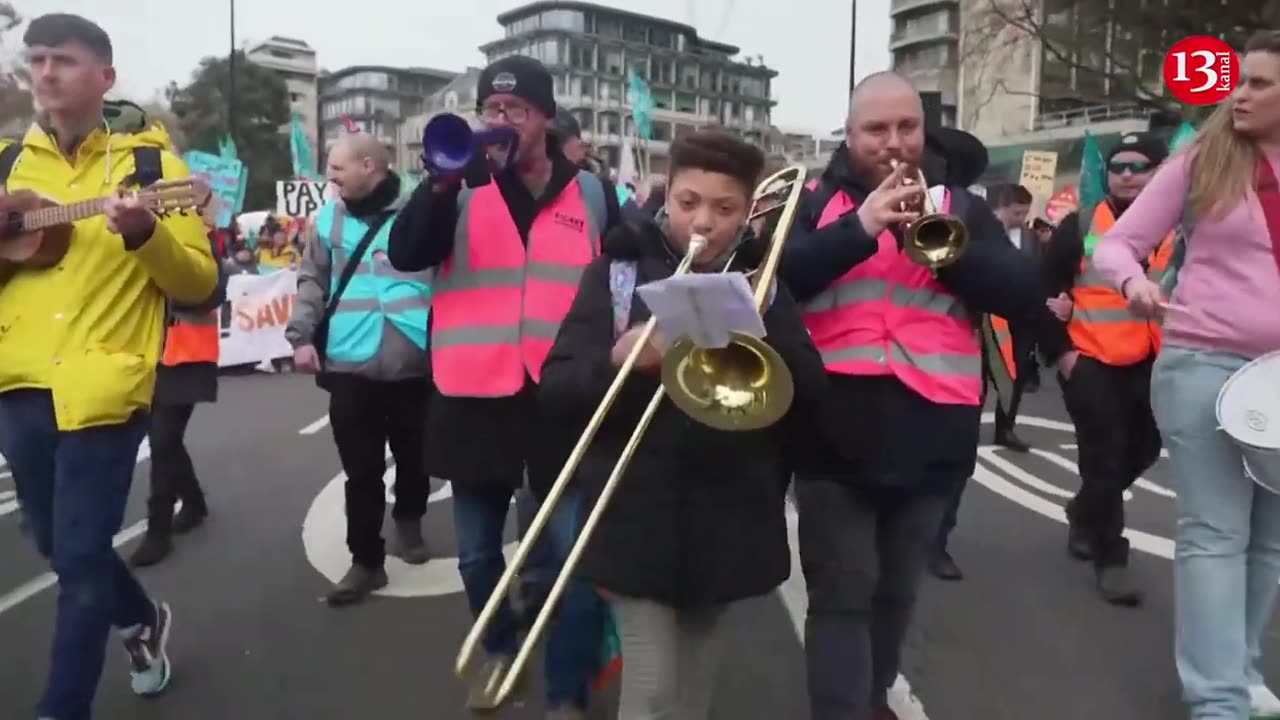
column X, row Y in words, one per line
column 521, row 76
column 1149, row 144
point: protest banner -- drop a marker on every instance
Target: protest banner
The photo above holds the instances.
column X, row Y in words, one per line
column 254, row 317
column 300, row 198
column 226, row 177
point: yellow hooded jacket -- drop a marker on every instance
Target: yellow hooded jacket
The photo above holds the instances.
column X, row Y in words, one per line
column 90, row 329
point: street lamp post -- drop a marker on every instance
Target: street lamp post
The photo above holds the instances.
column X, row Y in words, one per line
column 231, row 77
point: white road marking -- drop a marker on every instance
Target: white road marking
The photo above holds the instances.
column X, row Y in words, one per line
column 315, row 427
column 1069, row 466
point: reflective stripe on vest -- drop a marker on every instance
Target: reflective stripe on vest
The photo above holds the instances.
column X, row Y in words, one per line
column 1101, row 325
column 498, row 305
column 890, row 316
column 377, row 293
column 1004, row 339
column 191, row 338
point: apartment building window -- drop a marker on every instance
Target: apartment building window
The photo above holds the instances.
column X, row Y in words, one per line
column 372, row 80
column 608, row 27
column 689, row 76
column 658, row 37
column 610, row 123
column 571, row 20
column 662, row 98
column 612, row 62
column 546, row 51
column 753, row 87
column 582, row 86
column 707, row 81
column 586, row 119
column 580, row 56
column 639, row 64
column 731, row 110
column 664, row 72
column 662, row 132
column 735, row 86
column 749, row 114
column 635, row 32
column 686, row 103
column 610, row 90
column 523, row 25
column 930, row 57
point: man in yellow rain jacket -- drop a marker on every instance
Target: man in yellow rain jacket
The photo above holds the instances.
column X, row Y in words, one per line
column 79, row 345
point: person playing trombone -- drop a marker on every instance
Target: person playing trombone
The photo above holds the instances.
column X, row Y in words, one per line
column 510, row 245
column 698, row 521
column 891, row 309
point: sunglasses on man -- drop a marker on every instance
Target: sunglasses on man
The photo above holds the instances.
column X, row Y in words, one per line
column 1134, row 167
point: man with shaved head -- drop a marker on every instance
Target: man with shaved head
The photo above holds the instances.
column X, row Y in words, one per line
column 361, row 325
column 898, row 339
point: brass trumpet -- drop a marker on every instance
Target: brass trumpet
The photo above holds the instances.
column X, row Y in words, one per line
column 743, row 386
column 934, row 239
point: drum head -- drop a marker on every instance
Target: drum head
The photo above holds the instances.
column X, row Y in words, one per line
column 1249, row 404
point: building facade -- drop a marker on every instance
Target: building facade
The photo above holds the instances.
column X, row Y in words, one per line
column 590, row 49
column 925, row 46
column 294, row 61
column 375, row 99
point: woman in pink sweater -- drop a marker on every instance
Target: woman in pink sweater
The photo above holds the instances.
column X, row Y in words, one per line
column 1224, row 312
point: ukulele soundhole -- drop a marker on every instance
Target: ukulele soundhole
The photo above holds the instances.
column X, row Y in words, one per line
column 12, row 225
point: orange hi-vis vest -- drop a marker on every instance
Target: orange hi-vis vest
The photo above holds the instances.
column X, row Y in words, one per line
column 191, row 338
column 498, row 304
column 1101, row 325
column 1004, row 339
column 890, row 316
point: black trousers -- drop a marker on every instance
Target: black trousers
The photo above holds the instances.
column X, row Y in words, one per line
column 863, row 550
column 173, row 476
column 1117, row 440
column 366, row 416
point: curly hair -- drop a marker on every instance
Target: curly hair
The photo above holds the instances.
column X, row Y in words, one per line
column 717, row 150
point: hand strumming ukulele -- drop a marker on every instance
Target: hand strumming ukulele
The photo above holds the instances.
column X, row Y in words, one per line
column 35, row 232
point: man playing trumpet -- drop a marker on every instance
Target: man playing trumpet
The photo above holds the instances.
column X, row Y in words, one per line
column 896, row 333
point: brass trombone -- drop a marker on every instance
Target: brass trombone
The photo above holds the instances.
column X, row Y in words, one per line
column 744, row 386
column 934, row 239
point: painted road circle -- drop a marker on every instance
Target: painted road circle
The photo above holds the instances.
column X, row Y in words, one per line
column 324, row 533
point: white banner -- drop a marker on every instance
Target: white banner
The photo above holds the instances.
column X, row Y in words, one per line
column 301, row 198
column 254, row 317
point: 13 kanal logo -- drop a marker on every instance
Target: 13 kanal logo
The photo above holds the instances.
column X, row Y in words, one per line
column 1201, row 70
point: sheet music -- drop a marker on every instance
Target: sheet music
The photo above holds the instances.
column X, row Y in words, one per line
column 704, row 308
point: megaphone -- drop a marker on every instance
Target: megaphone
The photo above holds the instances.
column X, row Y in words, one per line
column 449, row 143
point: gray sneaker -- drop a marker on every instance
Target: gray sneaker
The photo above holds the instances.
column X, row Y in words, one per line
column 149, row 666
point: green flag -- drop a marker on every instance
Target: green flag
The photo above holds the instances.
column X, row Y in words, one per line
column 1185, row 133
column 1093, row 173
column 304, row 160
column 642, row 105
column 227, row 148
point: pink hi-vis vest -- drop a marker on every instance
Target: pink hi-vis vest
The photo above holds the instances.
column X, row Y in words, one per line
column 890, row 316
column 497, row 304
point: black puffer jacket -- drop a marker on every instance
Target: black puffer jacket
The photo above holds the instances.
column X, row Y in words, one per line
column 699, row 517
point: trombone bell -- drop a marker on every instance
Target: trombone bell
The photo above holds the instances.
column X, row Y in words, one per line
column 744, row 386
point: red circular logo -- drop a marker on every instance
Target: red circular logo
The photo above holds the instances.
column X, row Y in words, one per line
column 1201, row 70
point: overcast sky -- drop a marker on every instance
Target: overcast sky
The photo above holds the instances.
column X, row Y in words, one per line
column 161, row 40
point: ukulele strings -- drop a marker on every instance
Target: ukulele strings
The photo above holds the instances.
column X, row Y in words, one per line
column 66, row 214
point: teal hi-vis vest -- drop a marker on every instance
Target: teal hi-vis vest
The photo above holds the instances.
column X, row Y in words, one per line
column 378, row 293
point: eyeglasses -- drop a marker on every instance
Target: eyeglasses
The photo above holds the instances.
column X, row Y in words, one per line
column 514, row 115
column 1136, row 168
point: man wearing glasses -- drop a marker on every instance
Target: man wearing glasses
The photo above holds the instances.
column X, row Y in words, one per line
column 510, row 238
column 1104, row 357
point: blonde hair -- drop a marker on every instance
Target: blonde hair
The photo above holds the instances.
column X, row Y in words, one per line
column 1222, row 160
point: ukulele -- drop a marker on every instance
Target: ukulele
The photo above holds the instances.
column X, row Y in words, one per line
column 35, row 232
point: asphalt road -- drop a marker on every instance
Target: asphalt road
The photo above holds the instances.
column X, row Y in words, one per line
column 1023, row 636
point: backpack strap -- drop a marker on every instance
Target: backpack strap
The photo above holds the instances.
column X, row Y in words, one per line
column 148, row 167
column 622, row 287
column 9, row 158
column 597, row 205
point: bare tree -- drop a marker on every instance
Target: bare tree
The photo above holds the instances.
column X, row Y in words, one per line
column 1097, row 51
column 16, row 108
column 160, row 112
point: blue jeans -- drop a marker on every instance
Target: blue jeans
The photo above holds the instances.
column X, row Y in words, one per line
column 539, row 572
column 574, row 637
column 1228, row 543
column 73, row 486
